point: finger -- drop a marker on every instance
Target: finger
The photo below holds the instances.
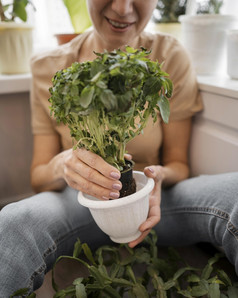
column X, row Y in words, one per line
column 128, row 156
column 96, row 162
column 155, row 172
column 149, row 223
column 94, row 176
column 90, row 188
column 139, row 239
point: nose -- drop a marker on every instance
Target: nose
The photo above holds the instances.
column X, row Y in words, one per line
column 122, row 7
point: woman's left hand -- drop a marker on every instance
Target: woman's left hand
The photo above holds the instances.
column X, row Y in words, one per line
column 155, row 172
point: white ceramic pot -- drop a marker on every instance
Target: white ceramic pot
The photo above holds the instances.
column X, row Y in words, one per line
column 16, row 47
column 121, row 218
column 232, row 54
column 204, row 36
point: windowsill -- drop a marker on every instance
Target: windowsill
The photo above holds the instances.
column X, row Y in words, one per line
column 221, row 85
column 16, row 83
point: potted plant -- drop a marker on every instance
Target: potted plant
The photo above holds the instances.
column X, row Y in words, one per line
column 166, row 16
column 204, row 35
column 15, row 37
column 106, row 103
column 142, row 272
column 79, row 17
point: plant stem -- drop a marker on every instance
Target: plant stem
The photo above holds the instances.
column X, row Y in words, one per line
column 2, row 15
column 122, row 150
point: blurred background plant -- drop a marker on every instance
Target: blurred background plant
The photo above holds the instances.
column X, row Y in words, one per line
column 78, row 13
column 209, row 7
column 14, row 10
column 168, row 11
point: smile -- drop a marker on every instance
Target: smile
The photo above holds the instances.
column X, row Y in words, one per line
column 118, row 25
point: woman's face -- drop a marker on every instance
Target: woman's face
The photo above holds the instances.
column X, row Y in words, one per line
column 119, row 22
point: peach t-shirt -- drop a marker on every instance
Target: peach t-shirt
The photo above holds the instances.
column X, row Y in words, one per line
column 145, row 147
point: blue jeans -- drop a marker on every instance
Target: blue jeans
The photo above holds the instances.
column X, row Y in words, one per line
column 35, row 231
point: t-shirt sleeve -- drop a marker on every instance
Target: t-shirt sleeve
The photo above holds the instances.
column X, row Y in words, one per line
column 41, row 121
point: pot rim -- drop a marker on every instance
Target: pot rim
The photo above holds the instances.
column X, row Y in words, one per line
column 15, row 25
column 207, row 16
column 100, row 204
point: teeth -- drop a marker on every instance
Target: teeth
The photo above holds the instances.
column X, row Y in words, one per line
column 116, row 24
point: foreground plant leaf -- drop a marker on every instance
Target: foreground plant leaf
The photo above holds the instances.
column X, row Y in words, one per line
column 114, row 274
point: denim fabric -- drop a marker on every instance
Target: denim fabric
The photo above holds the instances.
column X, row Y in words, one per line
column 35, row 231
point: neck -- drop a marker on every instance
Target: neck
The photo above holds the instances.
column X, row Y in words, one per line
column 95, row 43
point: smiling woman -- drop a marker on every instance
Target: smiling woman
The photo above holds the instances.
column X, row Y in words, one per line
column 36, row 230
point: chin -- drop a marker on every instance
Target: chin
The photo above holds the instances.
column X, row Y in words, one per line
column 116, row 43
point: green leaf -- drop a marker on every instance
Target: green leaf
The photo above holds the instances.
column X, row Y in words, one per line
column 122, row 282
column 181, row 272
column 130, row 50
column 198, row 291
column 86, row 97
column 115, row 268
column 193, row 278
column 140, row 291
column 109, row 100
column 78, row 13
column 19, row 9
column 214, row 290
column 100, row 277
column 164, row 108
column 88, row 253
column 80, row 291
column 151, row 86
column 169, row 284
column 185, row 293
column 207, row 271
column 78, row 281
column 168, row 87
column 224, row 277
column 130, row 273
column 77, row 248
column 111, row 292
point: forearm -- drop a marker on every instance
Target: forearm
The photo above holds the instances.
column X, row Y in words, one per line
column 49, row 177
column 174, row 172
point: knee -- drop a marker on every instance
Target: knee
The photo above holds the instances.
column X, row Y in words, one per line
column 16, row 218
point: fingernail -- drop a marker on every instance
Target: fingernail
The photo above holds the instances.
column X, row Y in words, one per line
column 105, row 198
column 114, row 195
column 115, row 175
column 116, row 186
column 151, row 170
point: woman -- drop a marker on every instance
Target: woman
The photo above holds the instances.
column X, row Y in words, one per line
column 35, row 231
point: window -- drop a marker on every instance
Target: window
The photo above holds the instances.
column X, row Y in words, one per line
column 51, row 17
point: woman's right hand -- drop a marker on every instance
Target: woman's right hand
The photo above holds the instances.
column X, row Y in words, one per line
column 89, row 173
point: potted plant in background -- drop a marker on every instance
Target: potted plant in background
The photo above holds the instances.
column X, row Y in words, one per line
column 79, row 17
column 204, row 36
column 15, row 37
column 166, row 14
column 106, row 103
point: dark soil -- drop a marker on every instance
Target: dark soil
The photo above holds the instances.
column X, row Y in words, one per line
column 128, row 182
column 128, row 189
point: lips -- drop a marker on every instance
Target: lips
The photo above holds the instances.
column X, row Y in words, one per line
column 118, row 25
